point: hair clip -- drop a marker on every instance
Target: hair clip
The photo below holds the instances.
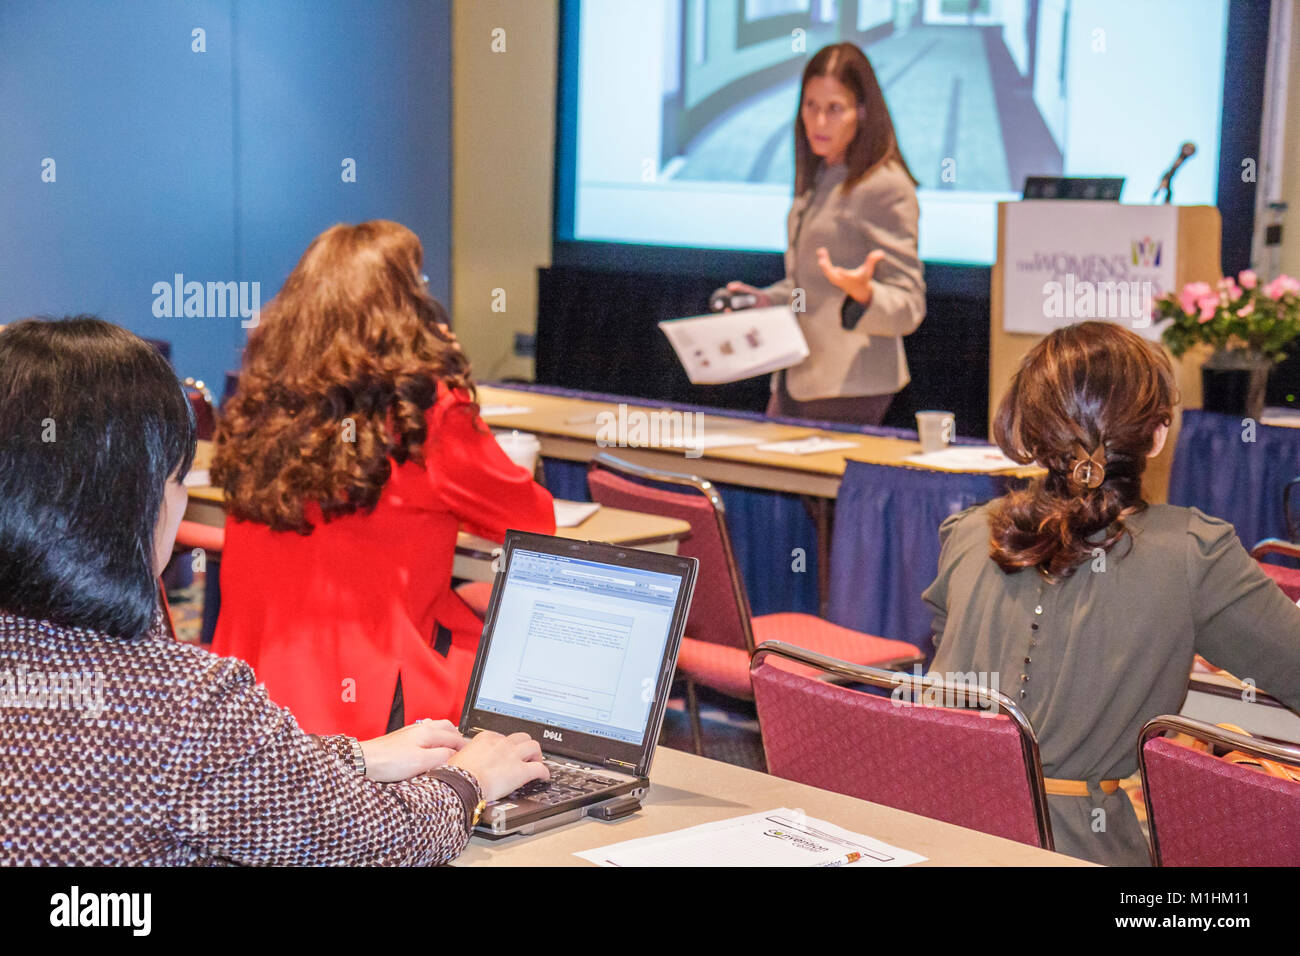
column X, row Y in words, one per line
column 1088, row 470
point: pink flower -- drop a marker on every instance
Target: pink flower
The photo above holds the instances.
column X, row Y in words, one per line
column 1208, row 304
column 1246, row 310
column 1191, row 295
column 1281, row 286
column 1229, row 286
column 1247, row 278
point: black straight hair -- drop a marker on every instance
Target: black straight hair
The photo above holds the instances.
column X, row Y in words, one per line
column 93, row 421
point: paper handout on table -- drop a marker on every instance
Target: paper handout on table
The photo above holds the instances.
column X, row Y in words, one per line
column 806, row 446
column 965, row 458
column 730, row 346
column 711, row 440
column 496, row 411
column 197, row 478
column 570, row 514
column 780, row 837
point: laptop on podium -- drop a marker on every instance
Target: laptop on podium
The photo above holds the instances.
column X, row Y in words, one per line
column 578, row 651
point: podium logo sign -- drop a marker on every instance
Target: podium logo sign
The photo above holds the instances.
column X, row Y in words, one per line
column 1065, row 262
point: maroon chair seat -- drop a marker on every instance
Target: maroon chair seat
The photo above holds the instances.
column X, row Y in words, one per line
column 726, row 669
column 1204, row 811
column 476, row 594
column 721, row 631
column 959, row 766
column 192, row 534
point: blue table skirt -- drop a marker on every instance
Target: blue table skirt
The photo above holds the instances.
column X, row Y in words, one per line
column 885, row 546
column 1239, row 481
column 767, row 529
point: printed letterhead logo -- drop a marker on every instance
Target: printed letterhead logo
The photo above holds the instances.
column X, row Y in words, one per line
column 1146, row 252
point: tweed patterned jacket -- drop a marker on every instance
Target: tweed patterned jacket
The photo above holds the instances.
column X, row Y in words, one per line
column 152, row 752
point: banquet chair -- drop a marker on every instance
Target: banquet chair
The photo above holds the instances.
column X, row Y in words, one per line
column 963, row 754
column 1205, row 811
column 1288, row 579
column 721, row 632
column 205, row 410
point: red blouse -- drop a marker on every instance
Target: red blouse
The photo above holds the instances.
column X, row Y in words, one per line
column 328, row 620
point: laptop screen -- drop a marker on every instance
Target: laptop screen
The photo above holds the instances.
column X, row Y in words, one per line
column 578, row 644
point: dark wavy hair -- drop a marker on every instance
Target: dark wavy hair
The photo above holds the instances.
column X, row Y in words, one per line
column 336, row 380
column 875, row 142
column 1091, row 386
column 93, row 422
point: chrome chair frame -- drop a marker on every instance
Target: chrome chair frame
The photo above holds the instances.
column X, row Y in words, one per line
column 703, row 486
column 1212, row 734
column 877, row 677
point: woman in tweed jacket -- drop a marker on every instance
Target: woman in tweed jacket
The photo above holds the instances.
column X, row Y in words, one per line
column 120, row 746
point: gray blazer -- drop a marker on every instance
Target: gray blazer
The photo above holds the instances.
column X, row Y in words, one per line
column 880, row 212
column 1092, row 658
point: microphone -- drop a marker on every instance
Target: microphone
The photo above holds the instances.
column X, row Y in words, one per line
column 723, row 299
column 1166, row 181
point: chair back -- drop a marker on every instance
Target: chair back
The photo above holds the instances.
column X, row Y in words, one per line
column 1288, row 579
column 205, row 411
column 1205, row 811
column 720, row 609
column 975, row 768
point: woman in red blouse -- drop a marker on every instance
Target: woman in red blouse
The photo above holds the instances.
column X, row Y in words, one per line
column 350, row 455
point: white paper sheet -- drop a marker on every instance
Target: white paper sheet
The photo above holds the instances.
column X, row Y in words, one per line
column 713, row 440
column 965, row 458
column 496, row 411
column 781, row 837
column 197, row 478
column 570, row 514
column 730, row 346
column 806, row 446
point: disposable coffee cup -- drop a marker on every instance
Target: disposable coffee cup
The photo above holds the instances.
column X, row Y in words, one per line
column 520, row 447
column 935, row 429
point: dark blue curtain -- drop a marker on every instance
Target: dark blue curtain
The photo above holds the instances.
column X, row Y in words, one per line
column 885, row 547
column 1240, row 481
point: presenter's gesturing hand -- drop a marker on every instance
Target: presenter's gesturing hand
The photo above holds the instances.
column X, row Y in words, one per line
column 855, row 283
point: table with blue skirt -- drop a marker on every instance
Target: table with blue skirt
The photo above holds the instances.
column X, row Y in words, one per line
column 883, row 541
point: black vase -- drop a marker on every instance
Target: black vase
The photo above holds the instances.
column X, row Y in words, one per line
column 1235, row 390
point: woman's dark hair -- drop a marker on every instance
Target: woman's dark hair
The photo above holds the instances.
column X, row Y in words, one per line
column 92, row 424
column 874, row 143
column 336, row 381
column 1085, row 404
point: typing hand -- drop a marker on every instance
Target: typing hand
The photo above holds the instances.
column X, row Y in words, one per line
column 501, row 764
column 411, row 751
column 855, row 283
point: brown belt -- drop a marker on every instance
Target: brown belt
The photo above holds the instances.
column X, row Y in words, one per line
column 1076, row 788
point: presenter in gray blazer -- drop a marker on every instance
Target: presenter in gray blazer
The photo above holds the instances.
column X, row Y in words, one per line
column 852, row 274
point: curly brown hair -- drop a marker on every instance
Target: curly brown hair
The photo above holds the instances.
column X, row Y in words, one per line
column 1085, row 404
column 336, row 379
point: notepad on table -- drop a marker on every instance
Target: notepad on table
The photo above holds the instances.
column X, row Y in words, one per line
column 570, row 514
column 496, row 411
column 811, row 445
column 780, row 837
column 964, row 458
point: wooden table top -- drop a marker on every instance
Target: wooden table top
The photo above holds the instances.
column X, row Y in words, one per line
column 575, row 418
column 686, row 790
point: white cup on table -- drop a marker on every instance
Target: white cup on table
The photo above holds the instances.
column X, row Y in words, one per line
column 522, row 448
column 936, row 430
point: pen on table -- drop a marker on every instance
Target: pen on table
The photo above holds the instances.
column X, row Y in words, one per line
column 848, row 858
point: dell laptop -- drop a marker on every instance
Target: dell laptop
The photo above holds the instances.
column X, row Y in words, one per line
column 578, row 650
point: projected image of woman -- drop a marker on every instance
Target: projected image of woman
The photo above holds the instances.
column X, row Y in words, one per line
column 852, row 274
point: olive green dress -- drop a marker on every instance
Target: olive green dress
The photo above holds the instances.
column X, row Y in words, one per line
column 1094, row 656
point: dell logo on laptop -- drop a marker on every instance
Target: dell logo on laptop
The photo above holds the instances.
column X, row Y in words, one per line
column 553, row 735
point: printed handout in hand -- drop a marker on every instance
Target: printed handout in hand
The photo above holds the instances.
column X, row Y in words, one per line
column 716, row 349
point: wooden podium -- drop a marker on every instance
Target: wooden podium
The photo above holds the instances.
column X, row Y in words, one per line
column 1195, row 257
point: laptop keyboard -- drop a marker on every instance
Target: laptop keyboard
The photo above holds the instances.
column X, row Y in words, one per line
column 567, row 781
